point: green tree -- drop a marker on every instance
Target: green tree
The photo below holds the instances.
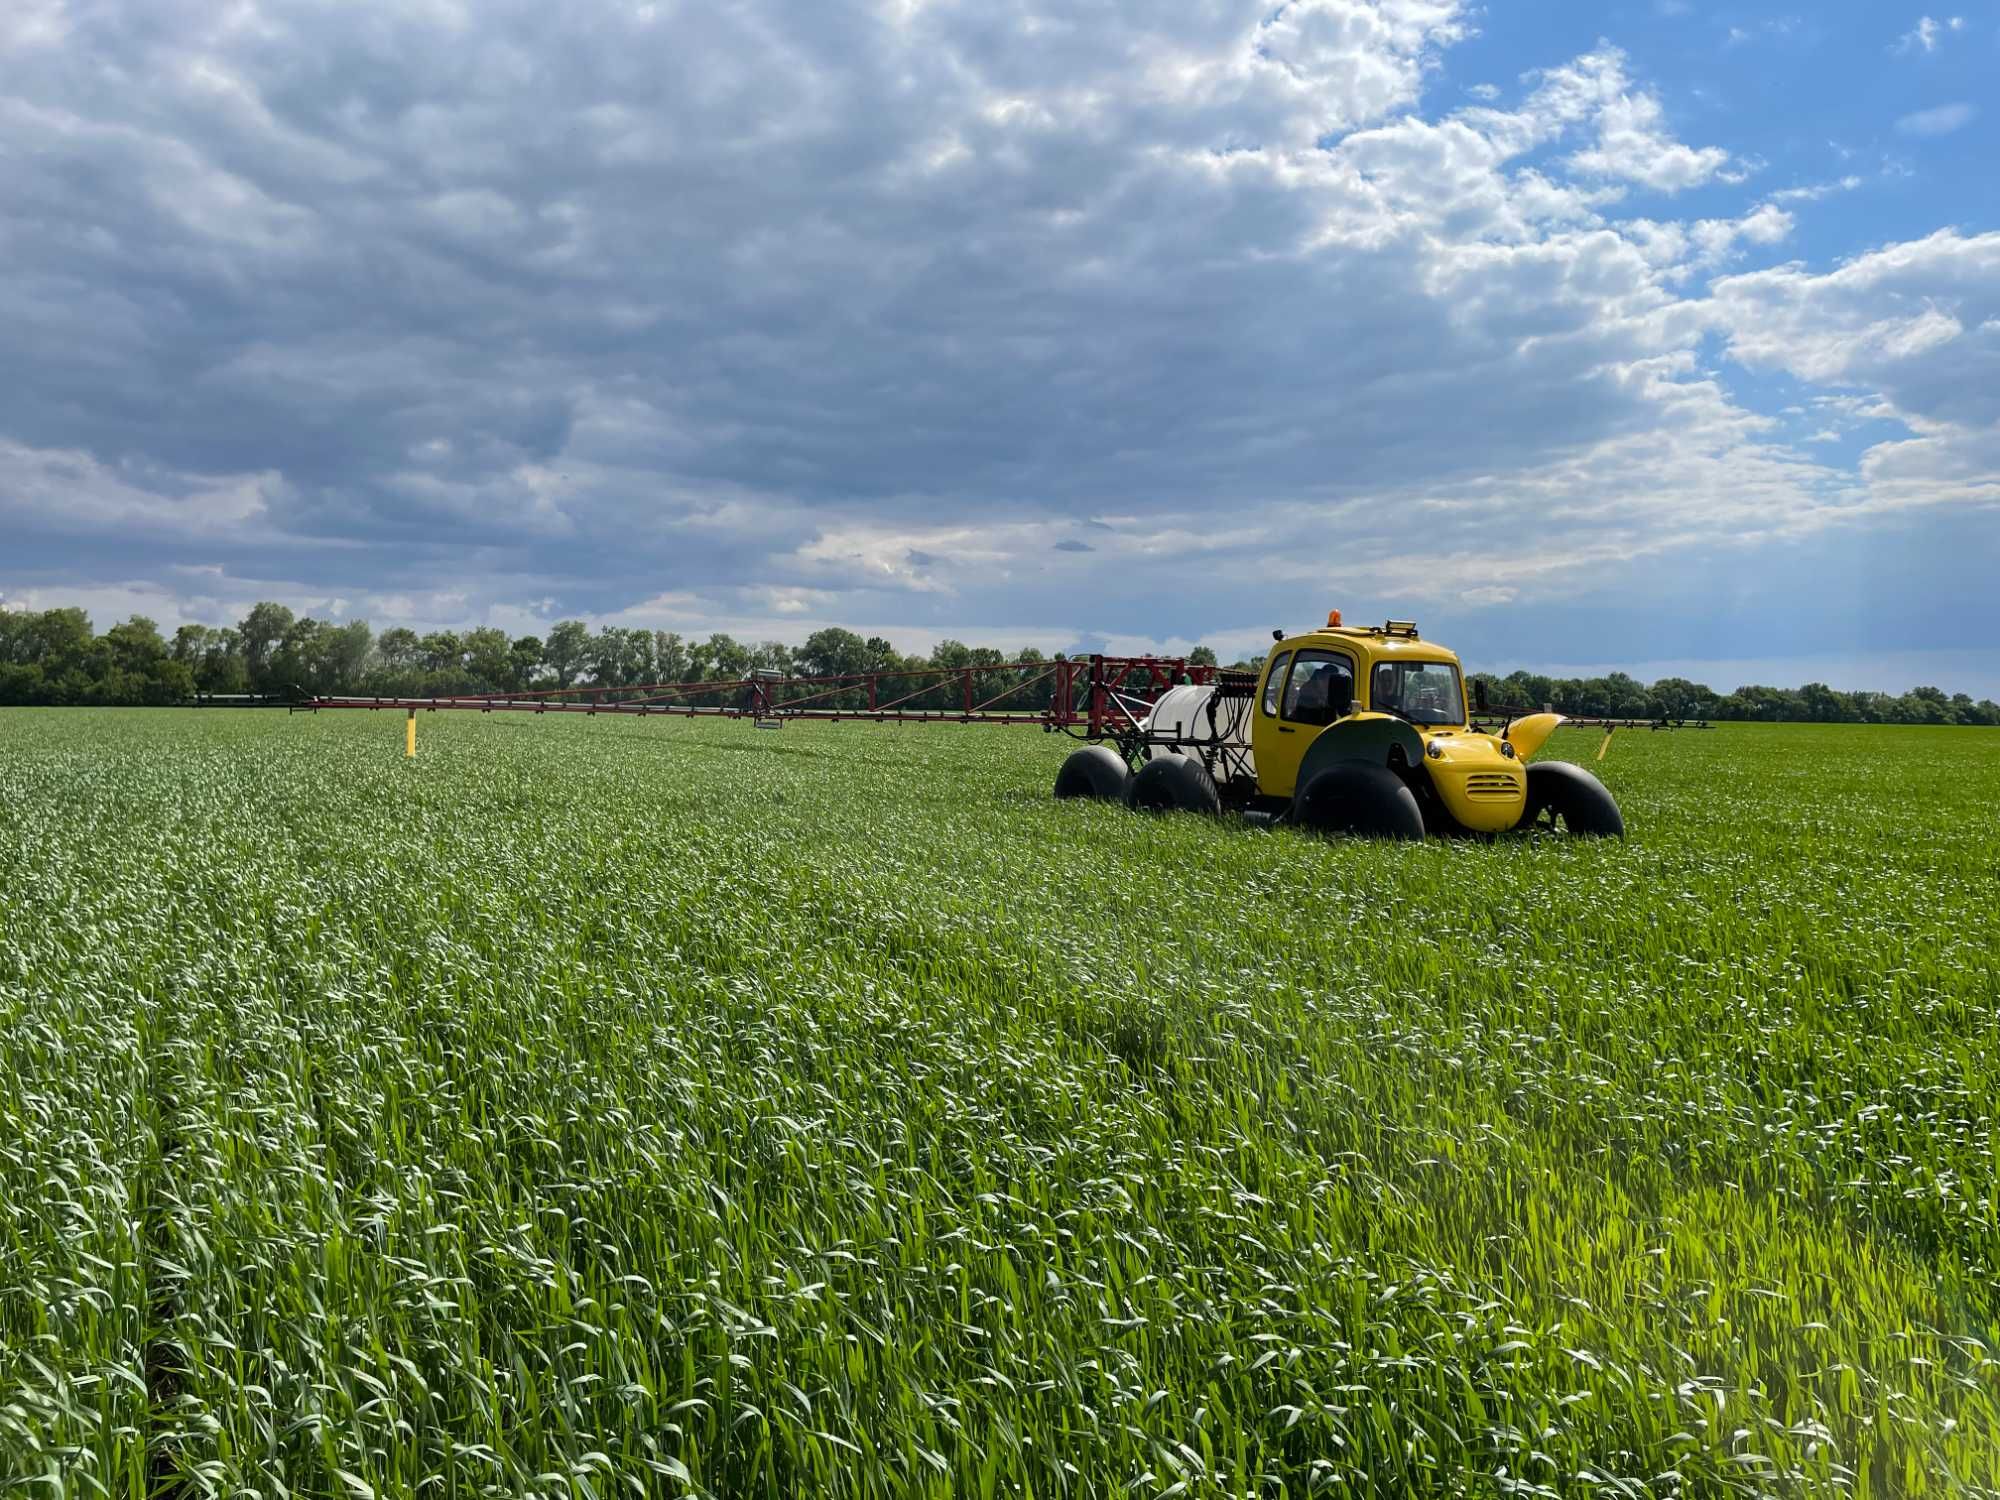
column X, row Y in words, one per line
column 21, row 672
column 945, row 693
column 1030, row 696
column 137, row 666
column 260, row 632
column 298, row 663
column 399, row 650
column 214, row 656
column 670, row 656
column 190, row 643
column 729, row 658
column 59, row 641
column 833, row 652
column 345, row 651
column 620, row 657
column 524, row 660
column 1926, row 705
column 1678, row 698
column 1820, row 704
column 489, row 659
column 568, row 651
column 1527, row 690
column 443, row 654
column 136, row 646
column 52, row 657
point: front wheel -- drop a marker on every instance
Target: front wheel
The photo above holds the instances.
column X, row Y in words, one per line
column 1360, row 798
column 1563, row 798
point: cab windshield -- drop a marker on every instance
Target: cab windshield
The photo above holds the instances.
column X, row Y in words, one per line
column 1426, row 691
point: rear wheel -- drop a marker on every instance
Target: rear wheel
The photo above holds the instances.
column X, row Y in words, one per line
column 1563, row 798
column 1097, row 772
column 1174, row 783
column 1359, row 798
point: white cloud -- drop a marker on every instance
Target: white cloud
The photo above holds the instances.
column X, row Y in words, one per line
column 1715, row 240
column 1915, row 328
column 33, row 24
column 943, row 318
column 1774, row 27
column 1813, row 192
column 1927, row 33
column 1942, row 120
column 78, row 493
column 1633, row 144
column 211, row 596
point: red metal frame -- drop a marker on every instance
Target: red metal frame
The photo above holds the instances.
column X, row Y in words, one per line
column 1095, row 697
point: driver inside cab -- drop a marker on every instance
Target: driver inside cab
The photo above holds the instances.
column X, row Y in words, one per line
column 1415, row 691
column 1383, row 694
column 1315, row 698
column 1311, row 707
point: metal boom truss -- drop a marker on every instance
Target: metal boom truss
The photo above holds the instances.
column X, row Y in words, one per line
column 1090, row 697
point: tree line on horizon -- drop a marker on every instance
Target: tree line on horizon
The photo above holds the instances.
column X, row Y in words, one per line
column 53, row 657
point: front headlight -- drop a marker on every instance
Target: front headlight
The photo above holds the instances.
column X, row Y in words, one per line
column 1507, row 749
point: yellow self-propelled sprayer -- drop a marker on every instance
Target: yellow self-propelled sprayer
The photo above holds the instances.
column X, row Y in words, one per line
column 1348, row 729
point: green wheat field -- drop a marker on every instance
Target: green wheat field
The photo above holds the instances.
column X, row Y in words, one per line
column 596, row 1107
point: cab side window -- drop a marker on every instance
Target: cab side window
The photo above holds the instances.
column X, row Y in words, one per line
column 1275, row 680
column 1321, row 689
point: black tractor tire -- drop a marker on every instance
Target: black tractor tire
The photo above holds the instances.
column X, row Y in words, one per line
column 1360, row 798
column 1097, row 772
column 1567, row 798
column 1174, row 783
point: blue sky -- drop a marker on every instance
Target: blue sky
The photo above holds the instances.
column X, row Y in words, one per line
column 1658, row 335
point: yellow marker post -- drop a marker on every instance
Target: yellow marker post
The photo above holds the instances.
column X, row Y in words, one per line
column 410, row 736
column 1600, row 749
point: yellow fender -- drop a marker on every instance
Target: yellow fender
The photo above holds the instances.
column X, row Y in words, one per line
column 1526, row 735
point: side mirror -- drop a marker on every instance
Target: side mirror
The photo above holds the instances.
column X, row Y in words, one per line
column 1479, row 694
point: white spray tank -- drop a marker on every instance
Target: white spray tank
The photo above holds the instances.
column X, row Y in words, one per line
column 1191, row 718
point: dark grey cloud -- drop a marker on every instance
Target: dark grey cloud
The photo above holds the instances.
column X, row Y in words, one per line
column 777, row 312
